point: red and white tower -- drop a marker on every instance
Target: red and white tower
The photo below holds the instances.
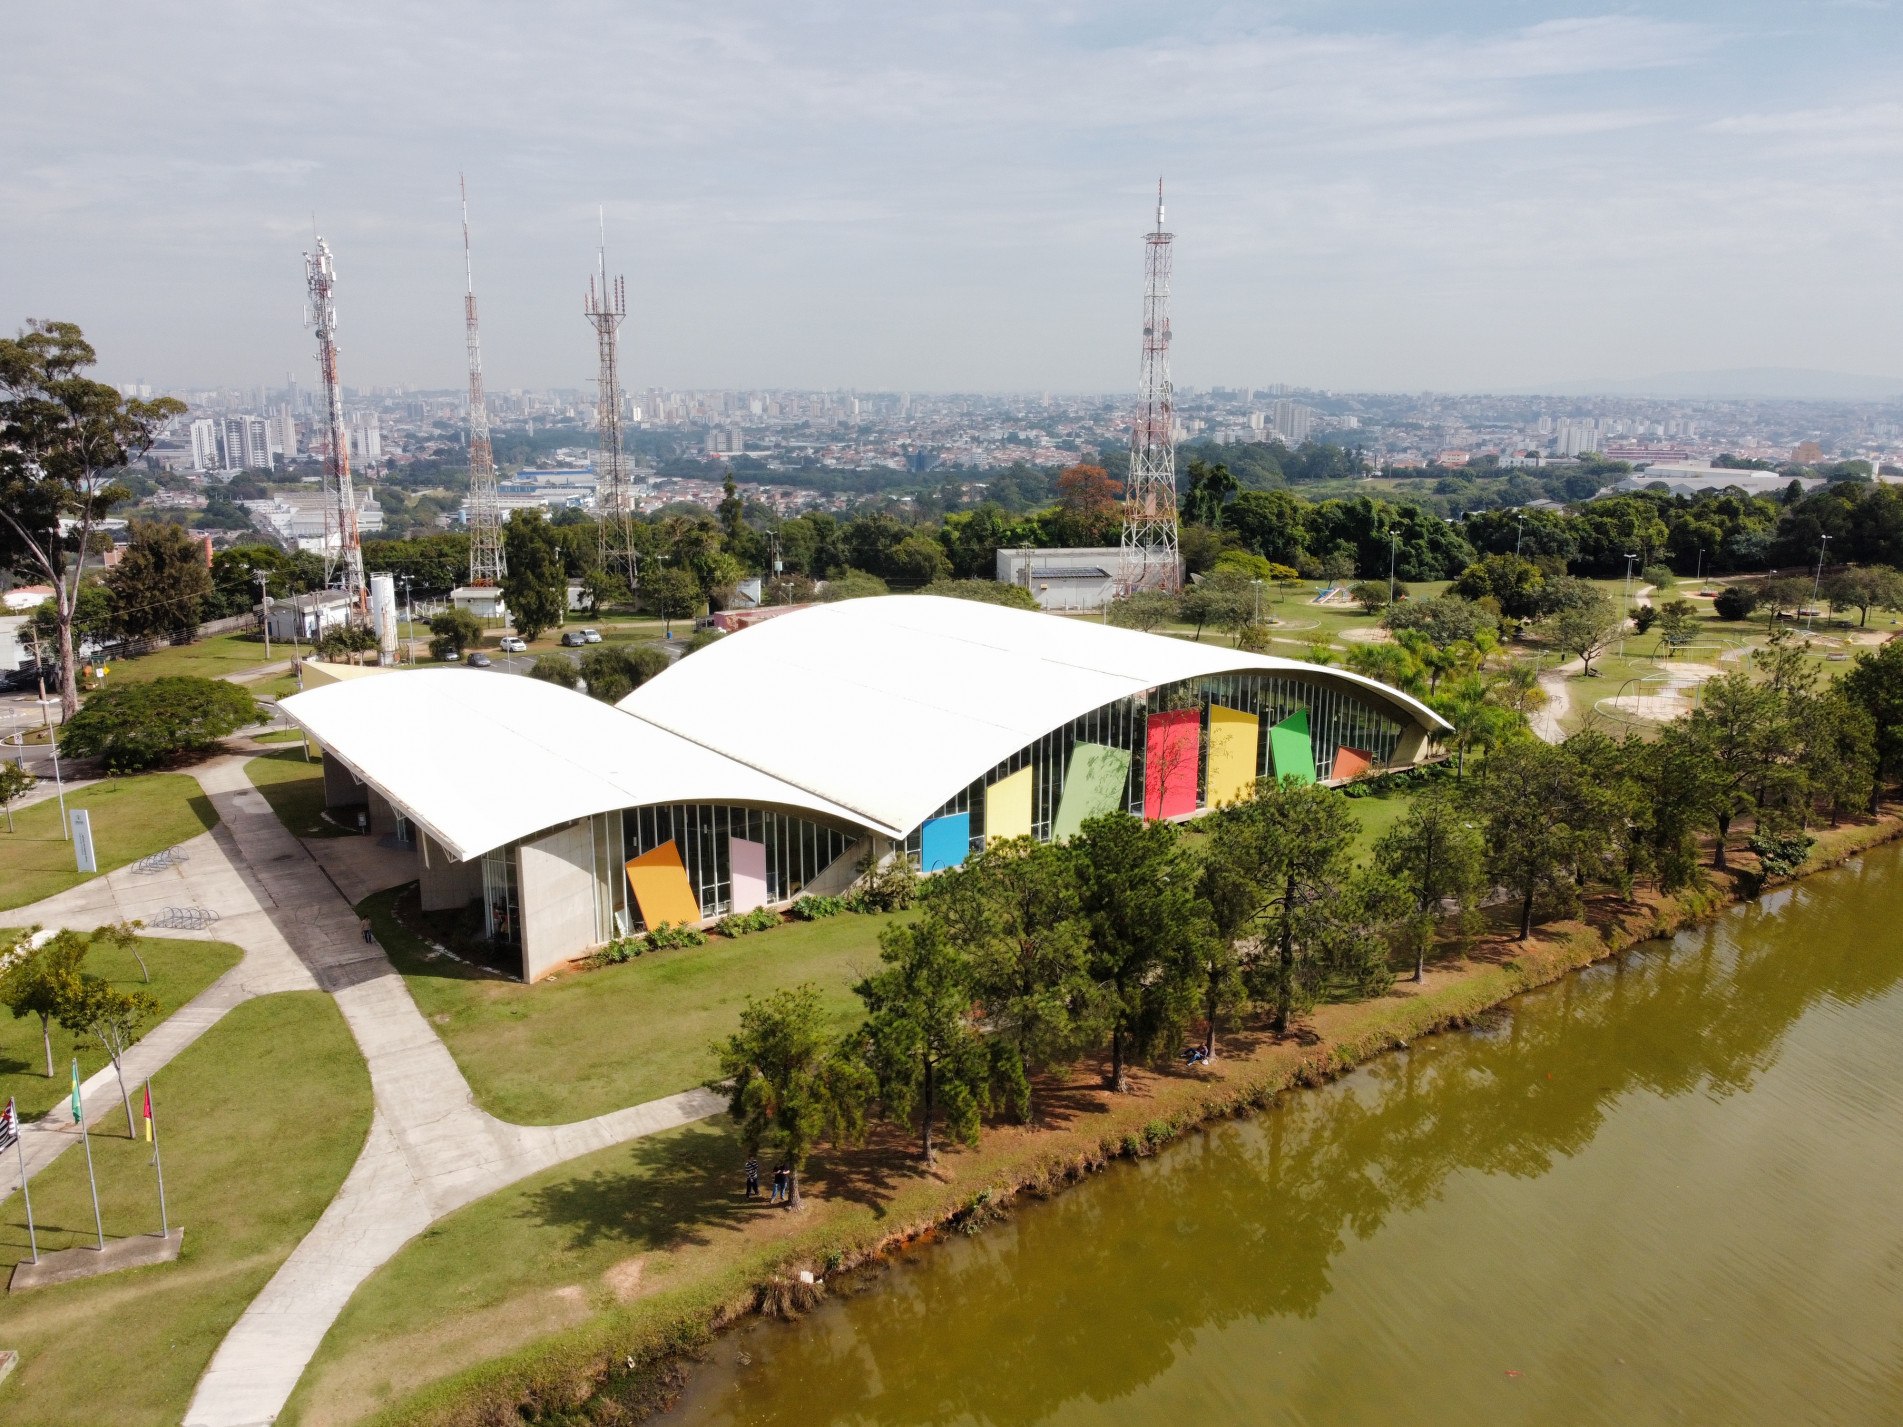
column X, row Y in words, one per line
column 486, row 565
column 343, row 551
column 1150, row 560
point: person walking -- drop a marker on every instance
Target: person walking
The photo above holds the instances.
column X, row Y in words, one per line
column 782, row 1184
column 363, row 925
column 753, row 1177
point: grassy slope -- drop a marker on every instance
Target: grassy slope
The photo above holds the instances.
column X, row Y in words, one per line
column 131, row 818
column 294, row 787
column 211, row 658
column 180, row 970
column 127, row 1348
column 588, row 1042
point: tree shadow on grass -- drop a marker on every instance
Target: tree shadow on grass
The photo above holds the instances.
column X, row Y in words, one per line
column 666, row 1191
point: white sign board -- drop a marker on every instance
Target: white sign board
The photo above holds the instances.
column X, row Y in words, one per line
column 83, row 840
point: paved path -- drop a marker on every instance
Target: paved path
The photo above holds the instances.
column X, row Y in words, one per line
column 430, row 1149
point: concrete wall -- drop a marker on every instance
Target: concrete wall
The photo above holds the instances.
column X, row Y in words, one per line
column 446, row 886
column 341, row 788
column 557, row 898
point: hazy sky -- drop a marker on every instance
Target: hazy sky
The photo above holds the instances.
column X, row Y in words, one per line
column 1365, row 195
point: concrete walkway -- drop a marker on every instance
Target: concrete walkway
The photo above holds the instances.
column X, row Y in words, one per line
column 430, row 1150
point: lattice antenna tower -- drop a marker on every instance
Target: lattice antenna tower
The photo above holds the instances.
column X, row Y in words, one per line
column 343, row 551
column 1150, row 560
column 486, row 562
column 605, row 309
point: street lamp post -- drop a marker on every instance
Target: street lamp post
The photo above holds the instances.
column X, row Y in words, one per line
column 1817, row 585
column 1393, row 536
column 1520, row 537
column 1625, row 611
column 409, row 607
column 264, row 611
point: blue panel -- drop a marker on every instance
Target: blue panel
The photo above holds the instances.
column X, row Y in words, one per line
column 943, row 842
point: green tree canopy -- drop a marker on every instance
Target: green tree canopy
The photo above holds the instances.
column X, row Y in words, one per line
column 130, row 727
column 161, row 583
column 924, row 1043
column 535, row 587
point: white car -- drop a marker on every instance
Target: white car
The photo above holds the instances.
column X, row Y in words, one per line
column 591, row 636
column 511, row 644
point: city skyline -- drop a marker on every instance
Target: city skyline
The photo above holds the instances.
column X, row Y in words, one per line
column 1365, row 199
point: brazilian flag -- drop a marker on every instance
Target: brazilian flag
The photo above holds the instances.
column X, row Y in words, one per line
column 77, row 1116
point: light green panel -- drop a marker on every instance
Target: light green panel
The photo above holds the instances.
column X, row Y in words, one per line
column 1093, row 786
column 1289, row 745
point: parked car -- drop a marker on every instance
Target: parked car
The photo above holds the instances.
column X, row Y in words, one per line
column 512, row 644
column 591, row 636
column 573, row 638
column 27, row 680
column 479, row 660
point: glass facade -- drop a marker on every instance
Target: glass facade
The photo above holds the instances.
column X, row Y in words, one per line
column 501, row 901
column 797, row 849
column 1339, row 716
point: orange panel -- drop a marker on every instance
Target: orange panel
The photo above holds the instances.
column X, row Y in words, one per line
column 661, row 888
column 1350, row 763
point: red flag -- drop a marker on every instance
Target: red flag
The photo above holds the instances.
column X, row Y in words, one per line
column 148, row 1111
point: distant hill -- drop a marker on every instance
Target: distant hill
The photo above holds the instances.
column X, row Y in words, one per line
column 1740, row 384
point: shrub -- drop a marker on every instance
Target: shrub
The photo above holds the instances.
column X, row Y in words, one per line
column 555, row 669
column 760, row 919
column 1659, row 576
column 1781, row 856
column 613, row 671
column 134, row 726
column 887, row 888
column 983, row 591
column 1735, row 602
column 1644, row 617
column 660, row 938
column 666, row 938
column 811, row 909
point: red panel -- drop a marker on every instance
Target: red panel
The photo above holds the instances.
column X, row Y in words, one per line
column 1350, row 763
column 1169, row 763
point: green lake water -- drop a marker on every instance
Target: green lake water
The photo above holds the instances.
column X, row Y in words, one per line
column 1667, row 1190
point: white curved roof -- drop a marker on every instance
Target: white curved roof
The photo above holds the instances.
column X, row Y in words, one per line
column 479, row 758
column 888, row 706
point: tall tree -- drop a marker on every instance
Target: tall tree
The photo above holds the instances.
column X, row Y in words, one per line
column 95, row 1007
column 1137, row 891
column 41, row 981
column 1087, row 506
column 535, row 587
column 160, row 584
column 62, row 438
column 1014, row 910
column 1439, row 855
column 1875, row 682
column 1865, row 588
column 924, row 1042
column 788, row 1083
column 1584, row 630
column 1527, row 791
column 1289, row 851
column 670, row 592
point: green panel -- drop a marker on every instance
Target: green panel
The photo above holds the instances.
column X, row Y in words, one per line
column 1289, row 745
column 1094, row 786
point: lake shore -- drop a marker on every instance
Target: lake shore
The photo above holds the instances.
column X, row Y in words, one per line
column 630, row 1359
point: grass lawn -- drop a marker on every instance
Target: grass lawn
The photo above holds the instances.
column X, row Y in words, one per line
column 127, row 1348
column 279, row 735
column 1376, row 816
column 211, row 658
column 294, row 787
column 587, row 1042
column 131, row 818
column 180, row 970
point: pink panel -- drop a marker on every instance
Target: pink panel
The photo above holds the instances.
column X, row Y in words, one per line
column 1169, row 763
column 746, row 862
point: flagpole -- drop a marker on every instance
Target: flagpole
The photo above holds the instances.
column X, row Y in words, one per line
column 99, row 1226
column 152, row 1119
column 32, row 1237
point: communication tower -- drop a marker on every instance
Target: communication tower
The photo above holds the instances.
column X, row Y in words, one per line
column 486, row 564
column 605, row 309
column 1150, row 560
column 343, row 551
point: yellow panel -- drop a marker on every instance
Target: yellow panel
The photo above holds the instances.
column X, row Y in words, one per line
column 1233, row 737
column 1008, row 806
column 661, row 888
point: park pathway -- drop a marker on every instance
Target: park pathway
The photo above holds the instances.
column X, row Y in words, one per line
column 430, row 1149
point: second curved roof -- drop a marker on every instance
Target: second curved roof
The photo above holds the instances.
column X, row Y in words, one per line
column 888, row 706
